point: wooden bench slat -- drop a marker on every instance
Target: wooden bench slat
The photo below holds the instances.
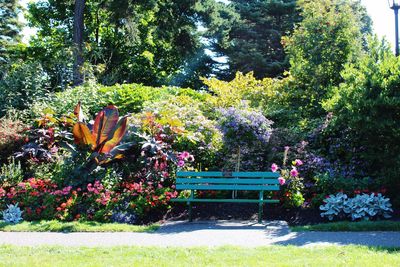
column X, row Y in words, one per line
column 226, row 181
column 225, row 200
column 227, row 187
column 231, row 174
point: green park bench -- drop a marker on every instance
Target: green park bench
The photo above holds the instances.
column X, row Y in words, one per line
column 222, row 181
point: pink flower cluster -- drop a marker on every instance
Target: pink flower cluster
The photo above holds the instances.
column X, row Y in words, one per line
column 297, row 162
column 95, row 188
column 160, row 165
column 274, row 167
column 101, row 194
column 293, row 172
column 184, row 157
column 2, row 192
column 63, row 192
column 104, row 197
column 133, row 188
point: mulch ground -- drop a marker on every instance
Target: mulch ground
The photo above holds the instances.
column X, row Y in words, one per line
column 246, row 211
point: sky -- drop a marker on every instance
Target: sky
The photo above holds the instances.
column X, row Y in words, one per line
column 382, row 17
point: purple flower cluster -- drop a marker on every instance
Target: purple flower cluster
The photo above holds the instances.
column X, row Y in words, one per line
column 243, row 126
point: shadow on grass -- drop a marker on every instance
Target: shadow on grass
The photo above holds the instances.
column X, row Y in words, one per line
column 68, row 227
column 361, row 226
column 374, row 239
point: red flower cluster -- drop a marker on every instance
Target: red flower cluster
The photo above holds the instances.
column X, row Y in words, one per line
column 38, row 197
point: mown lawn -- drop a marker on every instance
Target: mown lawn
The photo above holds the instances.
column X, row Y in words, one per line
column 201, row 256
column 350, row 226
column 57, row 226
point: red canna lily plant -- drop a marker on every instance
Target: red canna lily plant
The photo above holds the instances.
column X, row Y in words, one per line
column 105, row 134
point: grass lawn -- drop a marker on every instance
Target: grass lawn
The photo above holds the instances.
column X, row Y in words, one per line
column 56, row 226
column 201, row 256
column 350, row 226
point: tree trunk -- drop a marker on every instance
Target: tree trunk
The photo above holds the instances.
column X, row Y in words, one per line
column 78, row 41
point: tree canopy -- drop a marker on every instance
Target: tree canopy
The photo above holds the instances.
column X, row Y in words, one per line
column 154, row 42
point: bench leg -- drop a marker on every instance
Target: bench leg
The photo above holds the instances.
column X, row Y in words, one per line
column 190, row 212
column 260, row 212
column 190, row 205
column 260, row 206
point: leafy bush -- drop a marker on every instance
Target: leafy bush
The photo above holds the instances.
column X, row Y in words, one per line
column 63, row 103
column 11, row 173
column 123, row 217
column 197, row 133
column 362, row 206
column 22, row 85
column 368, row 206
column 127, row 97
column 367, row 104
column 327, row 184
column 328, row 37
column 134, row 97
column 244, row 87
column 333, row 206
column 12, row 214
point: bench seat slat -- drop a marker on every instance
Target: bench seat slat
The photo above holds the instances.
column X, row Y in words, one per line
column 227, row 187
column 225, row 200
column 199, row 174
column 232, row 174
column 226, row 181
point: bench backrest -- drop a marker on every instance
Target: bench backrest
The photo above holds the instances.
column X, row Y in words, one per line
column 257, row 181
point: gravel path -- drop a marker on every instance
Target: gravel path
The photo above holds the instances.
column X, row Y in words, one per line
column 210, row 233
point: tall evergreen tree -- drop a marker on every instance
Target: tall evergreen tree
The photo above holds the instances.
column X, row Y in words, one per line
column 9, row 27
column 251, row 35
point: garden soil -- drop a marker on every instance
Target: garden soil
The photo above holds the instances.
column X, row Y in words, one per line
column 246, row 211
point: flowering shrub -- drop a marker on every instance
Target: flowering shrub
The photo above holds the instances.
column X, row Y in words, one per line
column 37, row 197
column 198, row 134
column 143, row 196
column 42, row 199
column 244, row 126
column 325, row 184
column 246, row 133
column 136, row 185
column 291, row 182
column 99, row 201
column 158, row 157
